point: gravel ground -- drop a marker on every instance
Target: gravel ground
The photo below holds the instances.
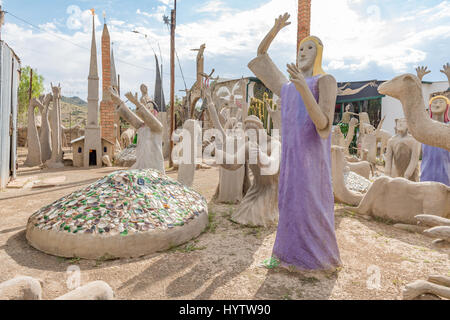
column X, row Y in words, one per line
column 225, row 262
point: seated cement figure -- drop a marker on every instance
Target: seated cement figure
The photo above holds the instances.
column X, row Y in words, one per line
column 402, row 156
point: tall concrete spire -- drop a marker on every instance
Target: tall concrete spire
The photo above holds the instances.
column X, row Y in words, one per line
column 93, row 83
column 92, row 153
column 114, row 82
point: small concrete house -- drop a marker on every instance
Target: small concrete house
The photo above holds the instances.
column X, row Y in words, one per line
column 78, row 152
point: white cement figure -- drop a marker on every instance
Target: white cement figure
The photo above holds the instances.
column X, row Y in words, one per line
column 34, row 146
column 403, row 151
column 231, row 182
column 45, row 135
column 191, row 144
column 149, row 129
column 56, row 160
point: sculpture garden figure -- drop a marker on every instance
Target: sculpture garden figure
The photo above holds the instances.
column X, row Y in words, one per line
column 400, row 200
column 127, row 137
column 149, row 129
column 34, row 157
column 231, row 182
column 341, row 192
column 402, row 156
column 408, row 89
column 191, row 144
column 146, row 101
column 45, row 135
column 56, row 160
column 308, row 104
column 436, row 161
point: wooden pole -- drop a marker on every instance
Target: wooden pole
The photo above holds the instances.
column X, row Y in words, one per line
column 30, row 93
column 172, row 78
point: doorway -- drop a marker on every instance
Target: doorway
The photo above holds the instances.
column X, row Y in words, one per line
column 92, row 158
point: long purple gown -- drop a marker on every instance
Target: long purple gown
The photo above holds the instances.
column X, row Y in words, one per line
column 306, row 236
column 435, row 165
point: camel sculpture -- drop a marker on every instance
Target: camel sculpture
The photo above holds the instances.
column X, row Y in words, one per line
column 338, row 166
column 408, row 89
column 400, row 200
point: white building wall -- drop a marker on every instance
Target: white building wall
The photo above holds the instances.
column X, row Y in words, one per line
column 392, row 108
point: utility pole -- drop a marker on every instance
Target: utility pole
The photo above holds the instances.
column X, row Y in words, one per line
column 2, row 21
column 172, row 78
column 30, row 93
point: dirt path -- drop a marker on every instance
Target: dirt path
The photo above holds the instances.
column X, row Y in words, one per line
column 225, row 261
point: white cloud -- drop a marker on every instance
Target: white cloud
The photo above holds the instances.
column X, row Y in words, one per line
column 213, row 6
column 158, row 14
column 354, row 42
column 79, row 19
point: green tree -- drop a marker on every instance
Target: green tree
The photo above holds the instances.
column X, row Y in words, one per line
column 24, row 88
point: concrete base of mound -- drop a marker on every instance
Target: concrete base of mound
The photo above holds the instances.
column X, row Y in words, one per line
column 95, row 246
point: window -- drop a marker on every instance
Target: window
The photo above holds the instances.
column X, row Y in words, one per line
column 80, row 150
column 105, row 149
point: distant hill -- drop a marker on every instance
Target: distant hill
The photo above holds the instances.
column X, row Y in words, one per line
column 75, row 101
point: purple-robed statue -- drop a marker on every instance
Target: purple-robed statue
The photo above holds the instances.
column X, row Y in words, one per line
column 306, row 236
column 436, row 161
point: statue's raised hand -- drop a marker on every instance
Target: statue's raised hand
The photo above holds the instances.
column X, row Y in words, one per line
column 280, row 23
column 132, row 98
column 446, row 70
column 421, row 72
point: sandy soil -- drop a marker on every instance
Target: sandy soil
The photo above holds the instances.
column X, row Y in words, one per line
column 225, row 262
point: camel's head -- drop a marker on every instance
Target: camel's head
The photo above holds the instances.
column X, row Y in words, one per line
column 400, row 86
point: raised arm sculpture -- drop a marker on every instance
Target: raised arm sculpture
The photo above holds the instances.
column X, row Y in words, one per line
column 307, row 112
column 149, row 147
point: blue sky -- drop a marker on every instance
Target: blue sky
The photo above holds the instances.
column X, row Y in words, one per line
column 363, row 39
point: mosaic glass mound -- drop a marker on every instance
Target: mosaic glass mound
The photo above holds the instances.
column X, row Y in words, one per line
column 355, row 182
column 123, row 203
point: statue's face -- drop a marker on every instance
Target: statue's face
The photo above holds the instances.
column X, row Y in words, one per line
column 402, row 126
column 144, row 89
column 307, row 55
column 438, row 106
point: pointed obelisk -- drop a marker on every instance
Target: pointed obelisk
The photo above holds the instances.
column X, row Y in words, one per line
column 92, row 142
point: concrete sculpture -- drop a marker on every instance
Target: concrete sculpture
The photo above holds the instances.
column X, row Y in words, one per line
column 56, row 160
column 127, row 137
column 259, row 207
column 341, row 192
column 400, row 200
column 34, row 157
column 192, row 144
column 308, row 106
column 231, row 182
column 28, row 288
column 436, row 161
column 45, row 135
column 403, row 152
column 408, row 89
column 436, row 286
column 149, row 129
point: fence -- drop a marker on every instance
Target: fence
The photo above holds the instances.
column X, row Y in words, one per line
column 9, row 84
